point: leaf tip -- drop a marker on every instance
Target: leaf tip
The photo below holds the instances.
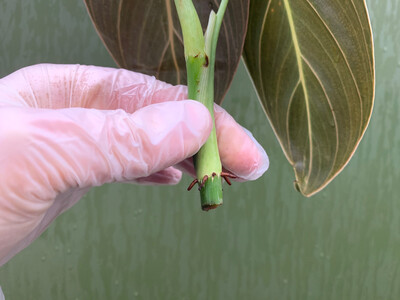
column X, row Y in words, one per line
column 302, row 190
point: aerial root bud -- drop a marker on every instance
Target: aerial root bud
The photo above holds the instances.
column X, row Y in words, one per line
column 225, row 175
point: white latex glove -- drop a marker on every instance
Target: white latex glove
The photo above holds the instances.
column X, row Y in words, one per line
column 66, row 128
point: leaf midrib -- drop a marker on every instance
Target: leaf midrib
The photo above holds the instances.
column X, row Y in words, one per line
column 301, row 78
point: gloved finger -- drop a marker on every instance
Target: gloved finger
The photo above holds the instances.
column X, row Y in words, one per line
column 64, row 86
column 168, row 176
column 70, row 148
column 187, row 167
column 239, row 151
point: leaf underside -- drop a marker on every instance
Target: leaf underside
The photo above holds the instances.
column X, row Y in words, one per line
column 312, row 64
column 145, row 36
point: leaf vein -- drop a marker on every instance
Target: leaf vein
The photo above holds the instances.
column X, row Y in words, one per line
column 259, row 48
column 171, row 39
column 344, row 57
column 290, row 157
column 331, row 109
column 121, row 50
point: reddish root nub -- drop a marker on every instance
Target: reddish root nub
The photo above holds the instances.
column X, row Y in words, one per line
column 227, row 175
column 201, row 183
column 191, row 185
column 227, row 180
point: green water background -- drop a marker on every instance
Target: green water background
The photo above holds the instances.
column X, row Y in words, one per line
column 266, row 242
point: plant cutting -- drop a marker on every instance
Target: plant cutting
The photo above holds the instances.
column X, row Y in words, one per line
column 311, row 63
column 200, row 61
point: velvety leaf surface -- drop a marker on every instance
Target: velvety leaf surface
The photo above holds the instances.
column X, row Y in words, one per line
column 312, row 64
column 145, row 36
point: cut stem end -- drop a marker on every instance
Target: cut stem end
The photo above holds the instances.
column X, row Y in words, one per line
column 210, row 188
column 210, row 192
column 209, row 207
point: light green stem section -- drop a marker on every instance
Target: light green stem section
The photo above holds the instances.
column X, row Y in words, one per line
column 200, row 61
column 207, row 159
column 191, row 28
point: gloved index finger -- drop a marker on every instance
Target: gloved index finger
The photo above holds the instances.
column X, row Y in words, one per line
column 65, row 86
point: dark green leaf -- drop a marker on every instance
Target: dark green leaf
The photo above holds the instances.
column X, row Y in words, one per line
column 312, row 64
column 145, row 36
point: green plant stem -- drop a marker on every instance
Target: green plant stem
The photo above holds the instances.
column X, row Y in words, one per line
column 200, row 54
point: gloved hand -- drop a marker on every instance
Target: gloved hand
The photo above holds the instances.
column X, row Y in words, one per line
column 66, row 128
